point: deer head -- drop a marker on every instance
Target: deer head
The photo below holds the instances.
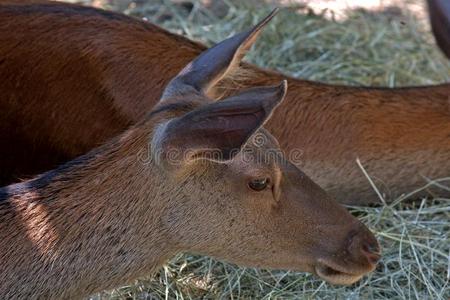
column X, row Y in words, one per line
column 242, row 200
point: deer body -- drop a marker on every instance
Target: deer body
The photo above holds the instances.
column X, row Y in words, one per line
column 83, row 231
column 68, row 88
column 187, row 177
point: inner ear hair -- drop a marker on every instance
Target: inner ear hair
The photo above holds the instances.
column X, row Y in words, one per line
column 216, row 131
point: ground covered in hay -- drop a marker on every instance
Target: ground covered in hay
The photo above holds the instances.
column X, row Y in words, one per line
column 387, row 46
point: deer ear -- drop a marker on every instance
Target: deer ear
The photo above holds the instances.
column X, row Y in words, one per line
column 216, row 131
column 213, row 64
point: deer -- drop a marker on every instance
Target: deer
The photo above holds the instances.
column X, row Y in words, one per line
column 439, row 12
column 188, row 177
column 72, row 77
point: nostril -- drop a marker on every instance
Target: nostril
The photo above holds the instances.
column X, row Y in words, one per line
column 373, row 257
column 364, row 246
column 371, row 251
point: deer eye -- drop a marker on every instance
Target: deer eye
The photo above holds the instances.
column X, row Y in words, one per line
column 258, row 184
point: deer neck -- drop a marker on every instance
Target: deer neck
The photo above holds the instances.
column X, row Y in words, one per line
column 91, row 224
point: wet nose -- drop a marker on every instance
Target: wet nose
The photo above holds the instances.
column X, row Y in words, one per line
column 365, row 244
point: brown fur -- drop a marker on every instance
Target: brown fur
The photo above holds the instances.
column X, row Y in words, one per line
column 121, row 210
column 72, row 77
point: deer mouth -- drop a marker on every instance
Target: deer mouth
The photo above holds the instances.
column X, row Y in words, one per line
column 335, row 274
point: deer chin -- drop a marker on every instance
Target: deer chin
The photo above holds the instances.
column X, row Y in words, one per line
column 335, row 274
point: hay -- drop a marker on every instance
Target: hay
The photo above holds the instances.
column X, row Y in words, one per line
column 389, row 48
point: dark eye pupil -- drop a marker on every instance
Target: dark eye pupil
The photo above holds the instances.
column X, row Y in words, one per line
column 258, row 184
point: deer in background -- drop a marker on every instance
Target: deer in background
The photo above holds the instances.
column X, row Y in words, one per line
column 439, row 11
column 207, row 187
column 71, row 77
